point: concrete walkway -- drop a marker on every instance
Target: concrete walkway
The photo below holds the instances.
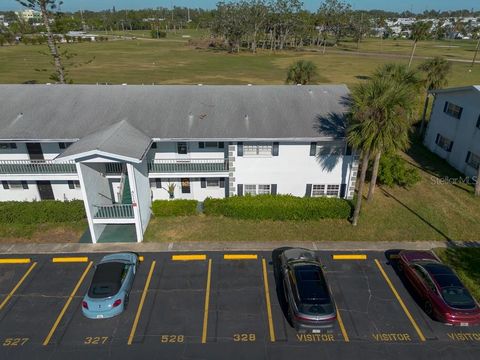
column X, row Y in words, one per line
column 190, row 246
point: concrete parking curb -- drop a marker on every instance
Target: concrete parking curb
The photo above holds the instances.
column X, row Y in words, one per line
column 191, row 246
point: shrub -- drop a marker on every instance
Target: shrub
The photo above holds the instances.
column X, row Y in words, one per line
column 174, row 207
column 278, row 207
column 37, row 212
column 158, row 34
column 394, row 170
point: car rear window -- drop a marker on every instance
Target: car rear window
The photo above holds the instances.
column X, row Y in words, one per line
column 311, row 285
column 107, row 279
column 458, row 297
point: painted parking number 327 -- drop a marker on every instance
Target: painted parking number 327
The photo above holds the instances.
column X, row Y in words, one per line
column 15, row 341
column 95, row 340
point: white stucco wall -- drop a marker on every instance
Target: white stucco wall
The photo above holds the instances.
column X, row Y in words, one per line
column 463, row 131
column 168, row 150
column 60, row 189
column 196, row 190
column 143, row 192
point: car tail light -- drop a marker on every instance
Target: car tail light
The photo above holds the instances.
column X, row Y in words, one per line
column 117, row 302
column 85, row 305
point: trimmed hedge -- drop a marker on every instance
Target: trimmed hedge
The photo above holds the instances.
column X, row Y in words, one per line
column 37, row 212
column 278, row 207
column 174, row 207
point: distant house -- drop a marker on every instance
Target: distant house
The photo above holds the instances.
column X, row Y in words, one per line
column 453, row 132
column 119, row 147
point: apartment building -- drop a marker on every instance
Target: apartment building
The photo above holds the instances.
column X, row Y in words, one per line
column 118, row 148
column 453, row 132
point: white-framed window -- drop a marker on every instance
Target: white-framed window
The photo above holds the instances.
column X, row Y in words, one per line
column 325, row 190
column 333, row 190
column 257, row 149
column 250, row 189
column 212, row 182
column 263, row 189
column 444, row 143
column 453, row 110
column 318, row 190
column 73, row 184
column 15, row 185
column 473, row 160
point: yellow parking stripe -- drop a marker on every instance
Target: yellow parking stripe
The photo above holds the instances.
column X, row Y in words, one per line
column 240, row 257
column 16, row 261
column 67, row 304
column 402, row 304
column 80, row 259
column 207, row 303
column 267, row 300
column 9, row 296
column 140, row 306
column 349, row 257
column 342, row 327
column 188, row 257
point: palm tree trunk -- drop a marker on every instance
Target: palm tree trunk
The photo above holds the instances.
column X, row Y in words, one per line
column 51, row 44
column 413, row 52
column 477, row 183
column 425, row 107
column 356, row 213
column 373, row 180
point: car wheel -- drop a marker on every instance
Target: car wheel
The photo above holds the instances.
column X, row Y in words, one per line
column 427, row 307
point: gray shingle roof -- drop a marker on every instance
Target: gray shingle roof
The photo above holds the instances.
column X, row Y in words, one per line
column 68, row 112
column 118, row 139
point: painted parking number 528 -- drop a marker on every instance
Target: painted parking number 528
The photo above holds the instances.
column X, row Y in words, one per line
column 14, row 341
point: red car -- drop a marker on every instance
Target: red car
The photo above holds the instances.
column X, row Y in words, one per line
column 443, row 295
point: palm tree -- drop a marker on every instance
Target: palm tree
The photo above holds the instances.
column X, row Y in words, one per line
column 436, row 71
column 380, row 121
column 420, row 31
column 398, row 75
column 301, row 72
column 45, row 6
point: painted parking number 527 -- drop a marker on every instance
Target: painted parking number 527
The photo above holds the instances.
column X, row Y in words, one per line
column 14, row 341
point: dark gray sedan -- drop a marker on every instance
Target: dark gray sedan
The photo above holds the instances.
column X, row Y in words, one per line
column 310, row 305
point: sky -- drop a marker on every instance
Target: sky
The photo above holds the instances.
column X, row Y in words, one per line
column 394, row 5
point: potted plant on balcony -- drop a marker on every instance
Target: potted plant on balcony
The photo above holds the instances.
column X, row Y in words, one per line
column 171, row 190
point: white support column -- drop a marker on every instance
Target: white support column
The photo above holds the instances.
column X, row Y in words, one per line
column 135, row 205
column 86, row 203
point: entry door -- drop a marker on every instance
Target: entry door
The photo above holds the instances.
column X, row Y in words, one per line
column 45, row 190
column 35, row 151
column 186, row 188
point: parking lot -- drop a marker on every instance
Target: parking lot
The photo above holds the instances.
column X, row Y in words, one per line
column 217, row 305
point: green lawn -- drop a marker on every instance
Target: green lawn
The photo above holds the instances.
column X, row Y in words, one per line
column 428, row 211
column 466, row 262
column 43, row 233
column 172, row 61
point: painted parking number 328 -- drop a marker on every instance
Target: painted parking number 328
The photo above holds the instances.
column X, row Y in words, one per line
column 15, row 341
column 244, row 337
column 95, row 340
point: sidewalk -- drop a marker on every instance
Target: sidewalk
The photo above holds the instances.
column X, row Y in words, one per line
column 191, row 246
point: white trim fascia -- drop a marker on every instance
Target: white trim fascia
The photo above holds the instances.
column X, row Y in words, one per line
column 113, row 221
column 299, row 139
column 455, row 89
column 86, row 203
column 153, row 175
column 79, row 156
column 135, row 205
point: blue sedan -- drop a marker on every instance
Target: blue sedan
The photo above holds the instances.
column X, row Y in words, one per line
column 110, row 288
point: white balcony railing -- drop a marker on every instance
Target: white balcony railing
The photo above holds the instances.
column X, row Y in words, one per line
column 37, row 167
column 188, row 165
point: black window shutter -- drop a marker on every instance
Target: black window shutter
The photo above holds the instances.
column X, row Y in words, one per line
column 343, row 188
column 203, row 182
column 349, row 151
column 468, row 157
column 275, row 149
column 478, row 122
column 222, row 182
column 14, row 145
column 460, row 113
column 201, row 145
column 313, row 148
column 71, row 185
column 450, row 147
column 5, row 185
column 438, row 138
column 158, row 183
column 24, row 184
column 221, row 145
column 445, row 107
column 61, row 145
column 308, row 190
column 240, row 149
column 240, row 189
column 273, row 189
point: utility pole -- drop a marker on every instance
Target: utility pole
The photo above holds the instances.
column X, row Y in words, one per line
column 84, row 26
column 476, row 51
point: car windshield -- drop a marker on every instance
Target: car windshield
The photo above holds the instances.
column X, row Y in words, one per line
column 458, row 297
column 312, row 288
column 107, row 279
